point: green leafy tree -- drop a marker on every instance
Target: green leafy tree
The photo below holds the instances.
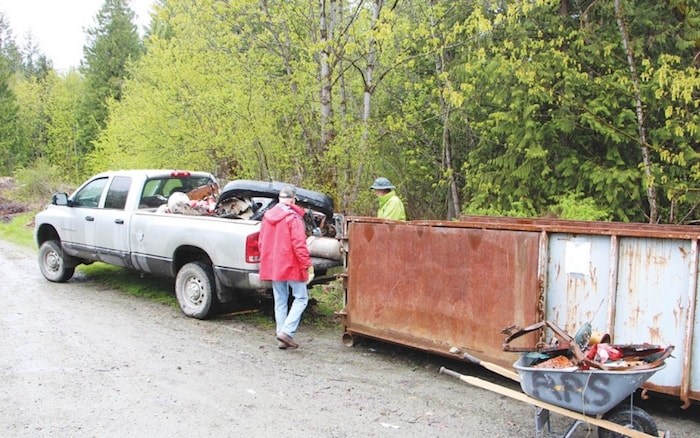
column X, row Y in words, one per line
column 9, row 64
column 553, row 116
column 35, row 64
column 515, row 107
column 113, row 44
column 9, row 140
column 8, row 47
column 31, row 118
column 198, row 99
column 63, row 95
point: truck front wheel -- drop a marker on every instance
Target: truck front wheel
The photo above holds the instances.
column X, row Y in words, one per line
column 194, row 288
column 52, row 262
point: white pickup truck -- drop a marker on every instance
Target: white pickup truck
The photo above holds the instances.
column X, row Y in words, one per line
column 124, row 218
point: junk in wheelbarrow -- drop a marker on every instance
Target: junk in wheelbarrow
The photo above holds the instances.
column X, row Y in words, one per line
column 560, row 377
column 591, row 392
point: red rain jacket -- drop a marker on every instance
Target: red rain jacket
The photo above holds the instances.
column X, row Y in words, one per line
column 284, row 255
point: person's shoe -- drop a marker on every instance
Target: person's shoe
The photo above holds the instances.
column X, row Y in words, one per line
column 286, row 339
column 281, row 345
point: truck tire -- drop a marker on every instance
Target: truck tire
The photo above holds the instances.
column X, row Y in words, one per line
column 631, row 417
column 52, row 262
column 194, row 289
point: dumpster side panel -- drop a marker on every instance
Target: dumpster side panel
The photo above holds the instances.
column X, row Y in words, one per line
column 578, row 280
column 650, row 295
column 438, row 287
column 636, row 289
column 652, row 298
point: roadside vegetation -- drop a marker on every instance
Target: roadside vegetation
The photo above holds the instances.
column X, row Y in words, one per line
column 557, row 108
column 18, row 229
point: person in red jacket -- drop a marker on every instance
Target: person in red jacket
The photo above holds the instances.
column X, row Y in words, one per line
column 285, row 259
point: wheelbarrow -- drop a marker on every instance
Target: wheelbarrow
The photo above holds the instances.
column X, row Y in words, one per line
column 589, row 397
column 572, row 383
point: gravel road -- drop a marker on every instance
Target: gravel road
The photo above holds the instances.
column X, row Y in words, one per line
column 82, row 360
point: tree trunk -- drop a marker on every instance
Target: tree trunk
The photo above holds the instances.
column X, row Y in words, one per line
column 283, row 40
column 368, row 76
column 327, row 12
column 343, row 104
column 649, row 179
column 453, row 204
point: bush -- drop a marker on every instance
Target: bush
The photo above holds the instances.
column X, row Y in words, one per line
column 575, row 207
column 37, row 182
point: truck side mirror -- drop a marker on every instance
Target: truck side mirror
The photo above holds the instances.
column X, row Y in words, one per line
column 59, row 199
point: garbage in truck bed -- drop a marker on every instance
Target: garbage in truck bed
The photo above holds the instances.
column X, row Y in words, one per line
column 181, row 203
column 196, row 202
column 244, row 199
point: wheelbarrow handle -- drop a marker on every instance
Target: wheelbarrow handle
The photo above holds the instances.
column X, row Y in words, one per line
column 449, row 372
column 505, row 372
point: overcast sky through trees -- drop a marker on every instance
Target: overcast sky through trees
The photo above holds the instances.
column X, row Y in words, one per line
column 58, row 27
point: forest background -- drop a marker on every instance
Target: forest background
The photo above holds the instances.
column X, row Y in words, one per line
column 578, row 109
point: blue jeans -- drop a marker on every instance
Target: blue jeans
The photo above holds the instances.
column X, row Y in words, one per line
column 287, row 320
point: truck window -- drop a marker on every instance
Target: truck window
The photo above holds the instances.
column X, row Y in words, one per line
column 184, row 185
column 151, row 188
column 174, row 185
column 89, row 196
column 157, row 190
column 118, row 191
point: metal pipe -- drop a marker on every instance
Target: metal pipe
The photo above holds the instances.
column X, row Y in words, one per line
column 690, row 324
column 612, row 285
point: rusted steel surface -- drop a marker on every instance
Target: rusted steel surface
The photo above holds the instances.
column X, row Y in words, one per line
column 435, row 285
column 637, row 290
column 439, row 287
column 584, row 227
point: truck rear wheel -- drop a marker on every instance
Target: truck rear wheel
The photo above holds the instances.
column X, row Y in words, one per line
column 52, row 262
column 194, row 289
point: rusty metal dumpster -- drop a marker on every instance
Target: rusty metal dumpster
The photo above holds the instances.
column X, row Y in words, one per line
column 453, row 286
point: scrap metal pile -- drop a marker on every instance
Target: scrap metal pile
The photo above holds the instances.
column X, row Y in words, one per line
column 586, row 350
column 246, row 200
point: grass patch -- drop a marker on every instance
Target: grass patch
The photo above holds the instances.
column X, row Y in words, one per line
column 264, row 318
column 325, row 301
column 19, row 229
column 134, row 283
column 258, row 309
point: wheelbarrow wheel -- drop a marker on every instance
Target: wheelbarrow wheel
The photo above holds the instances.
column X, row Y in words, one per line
column 631, row 417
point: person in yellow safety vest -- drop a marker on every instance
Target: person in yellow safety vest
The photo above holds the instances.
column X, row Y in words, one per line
column 390, row 205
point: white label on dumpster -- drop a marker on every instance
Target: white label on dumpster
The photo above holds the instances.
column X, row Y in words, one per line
column 578, row 256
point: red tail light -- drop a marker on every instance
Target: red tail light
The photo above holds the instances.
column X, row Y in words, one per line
column 180, row 174
column 252, row 250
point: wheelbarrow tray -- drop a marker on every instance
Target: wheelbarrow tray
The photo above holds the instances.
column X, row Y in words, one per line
column 590, row 392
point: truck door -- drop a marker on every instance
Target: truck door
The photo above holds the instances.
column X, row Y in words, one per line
column 112, row 224
column 78, row 224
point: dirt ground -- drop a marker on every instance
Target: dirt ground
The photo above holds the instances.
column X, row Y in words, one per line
column 9, row 207
column 81, row 360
